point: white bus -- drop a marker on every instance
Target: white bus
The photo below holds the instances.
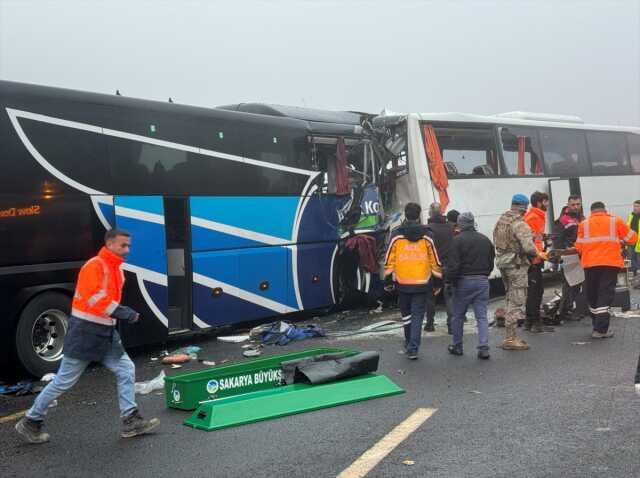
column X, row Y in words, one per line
column 488, row 159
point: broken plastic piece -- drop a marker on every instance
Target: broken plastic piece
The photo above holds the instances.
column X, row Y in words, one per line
column 176, row 358
column 149, row 386
column 234, row 339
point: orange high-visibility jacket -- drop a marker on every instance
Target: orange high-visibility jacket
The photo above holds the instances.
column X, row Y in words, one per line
column 599, row 240
column 99, row 288
column 412, row 263
column 535, row 219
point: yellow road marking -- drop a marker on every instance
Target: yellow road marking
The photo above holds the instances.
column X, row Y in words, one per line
column 374, row 455
column 13, row 416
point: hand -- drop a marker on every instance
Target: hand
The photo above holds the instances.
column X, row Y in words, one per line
column 543, row 255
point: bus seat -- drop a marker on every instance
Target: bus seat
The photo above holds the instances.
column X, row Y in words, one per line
column 483, row 170
column 451, row 168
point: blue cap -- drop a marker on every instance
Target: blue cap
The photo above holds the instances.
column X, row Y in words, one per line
column 520, row 200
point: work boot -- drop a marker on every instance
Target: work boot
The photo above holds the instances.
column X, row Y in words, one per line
column 455, row 350
column 483, row 354
column 429, row 327
column 31, row 431
column 134, row 425
column 602, row 335
column 511, row 340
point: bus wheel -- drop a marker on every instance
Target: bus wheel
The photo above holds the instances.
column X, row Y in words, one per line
column 40, row 333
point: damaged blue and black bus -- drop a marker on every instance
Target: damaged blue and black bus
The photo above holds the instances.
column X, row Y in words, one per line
column 236, row 212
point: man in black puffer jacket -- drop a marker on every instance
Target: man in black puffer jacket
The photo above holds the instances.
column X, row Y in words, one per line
column 442, row 233
column 470, row 262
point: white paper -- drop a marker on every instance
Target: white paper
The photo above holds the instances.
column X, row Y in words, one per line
column 572, row 269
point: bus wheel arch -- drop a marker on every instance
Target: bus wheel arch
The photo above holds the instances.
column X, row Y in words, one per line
column 40, row 330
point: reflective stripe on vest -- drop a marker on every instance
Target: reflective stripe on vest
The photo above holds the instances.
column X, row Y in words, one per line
column 98, row 319
column 93, row 300
column 612, row 237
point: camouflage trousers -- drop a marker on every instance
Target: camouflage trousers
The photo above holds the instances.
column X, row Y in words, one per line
column 515, row 285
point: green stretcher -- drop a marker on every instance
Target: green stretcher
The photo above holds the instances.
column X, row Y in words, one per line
column 288, row 400
column 186, row 391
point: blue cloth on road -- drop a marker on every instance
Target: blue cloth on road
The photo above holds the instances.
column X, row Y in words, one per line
column 471, row 291
column 281, row 333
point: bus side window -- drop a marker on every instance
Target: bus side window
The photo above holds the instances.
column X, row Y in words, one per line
column 468, row 151
column 633, row 141
column 521, row 151
column 607, row 152
column 565, row 152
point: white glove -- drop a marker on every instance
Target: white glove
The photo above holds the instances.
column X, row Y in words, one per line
column 638, row 389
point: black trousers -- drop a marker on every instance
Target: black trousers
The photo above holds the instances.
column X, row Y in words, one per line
column 569, row 295
column 600, row 287
column 535, row 289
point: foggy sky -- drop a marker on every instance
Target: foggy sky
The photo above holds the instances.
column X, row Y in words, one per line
column 571, row 57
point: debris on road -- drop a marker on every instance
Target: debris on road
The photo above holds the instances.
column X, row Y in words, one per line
column 234, row 339
column 477, row 392
column 23, row 387
column 402, row 372
column 175, row 365
column 176, row 358
column 208, row 363
column 580, row 343
column 143, row 388
column 253, row 352
column 282, row 333
column 409, row 462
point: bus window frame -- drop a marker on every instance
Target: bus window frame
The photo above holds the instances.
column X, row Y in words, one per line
column 462, row 125
column 626, row 148
column 536, row 130
column 627, row 141
column 586, row 149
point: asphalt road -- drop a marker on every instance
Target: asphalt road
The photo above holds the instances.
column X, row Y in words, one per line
column 559, row 409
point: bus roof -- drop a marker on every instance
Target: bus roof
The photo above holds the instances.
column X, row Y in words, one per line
column 320, row 121
column 516, row 118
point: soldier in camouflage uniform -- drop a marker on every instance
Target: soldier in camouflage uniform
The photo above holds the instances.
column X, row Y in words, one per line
column 514, row 248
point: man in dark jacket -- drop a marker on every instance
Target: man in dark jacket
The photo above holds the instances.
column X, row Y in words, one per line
column 92, row 337
column 442, row 233
column 568, row 229
column 469, row 265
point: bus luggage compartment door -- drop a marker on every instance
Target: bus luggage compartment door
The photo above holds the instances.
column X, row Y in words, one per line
column 146, row 265
column 239, row 285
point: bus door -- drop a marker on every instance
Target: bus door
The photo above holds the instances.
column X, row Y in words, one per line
column 152, row 264
column 559, row 192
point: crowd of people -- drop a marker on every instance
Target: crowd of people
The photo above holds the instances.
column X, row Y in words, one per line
column 448, row 256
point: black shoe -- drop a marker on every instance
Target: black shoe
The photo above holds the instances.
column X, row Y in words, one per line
column 429, row 328
column 453, row 350
column 134, row 425
column 538, row 328
column 483, row 354
column 31, row 431
column 412, row 355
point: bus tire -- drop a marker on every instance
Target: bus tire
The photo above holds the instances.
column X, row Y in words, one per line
column 40, row 332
